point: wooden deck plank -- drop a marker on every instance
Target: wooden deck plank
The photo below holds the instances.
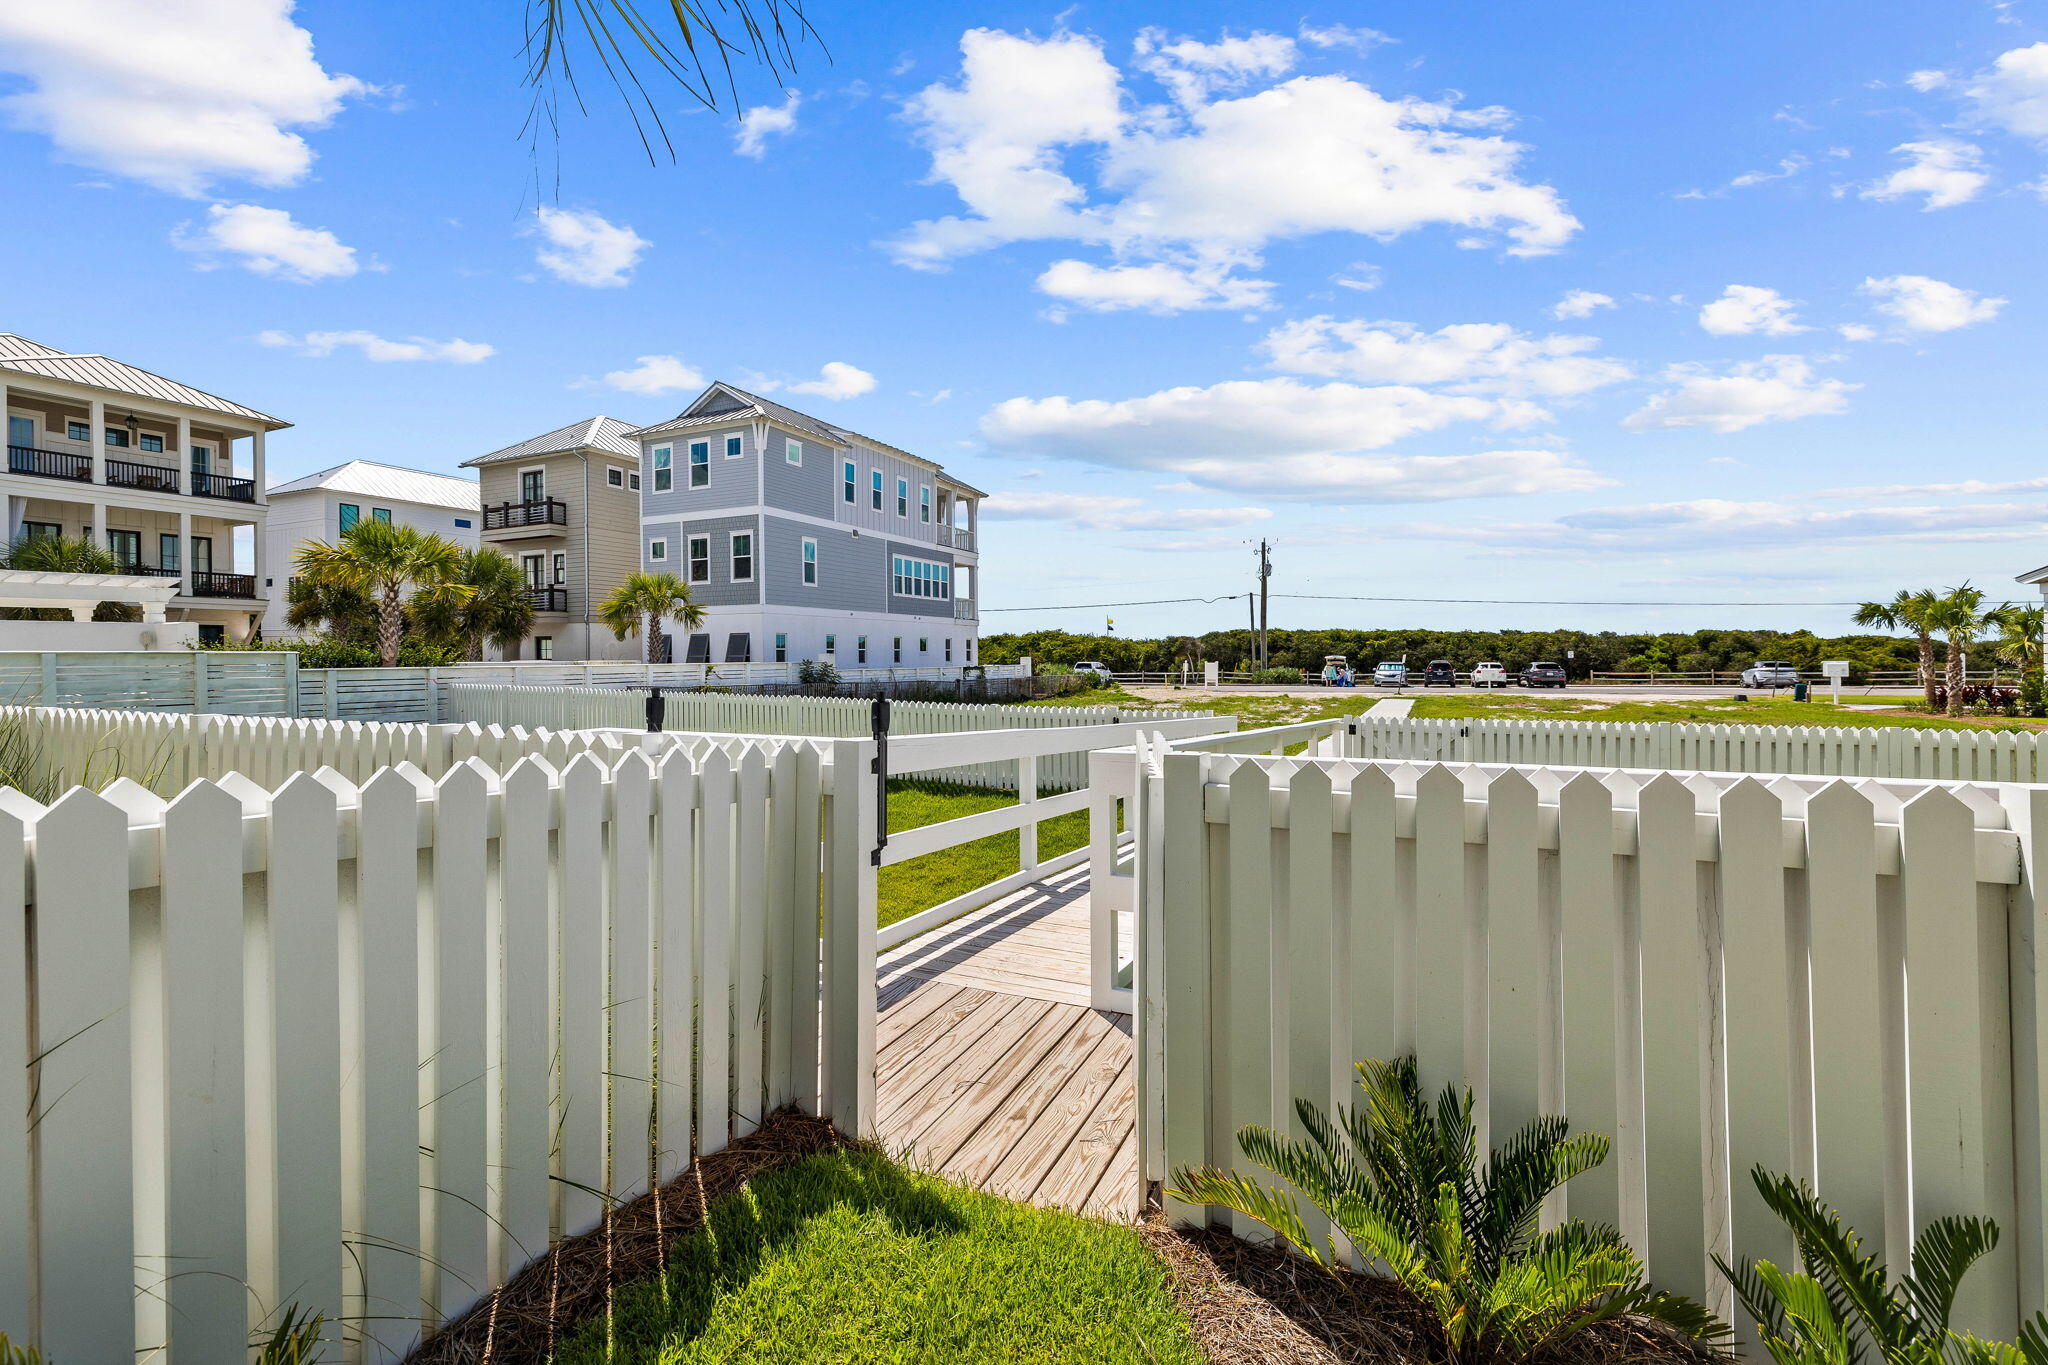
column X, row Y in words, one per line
column 912, row 1107
column 1013, row 1115
column 946, row 1132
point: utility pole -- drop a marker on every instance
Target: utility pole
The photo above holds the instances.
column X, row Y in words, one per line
column 1265, row 573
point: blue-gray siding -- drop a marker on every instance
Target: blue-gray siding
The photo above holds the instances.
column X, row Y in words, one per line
column 730, row 482
column 917, row 606
column 853, row 571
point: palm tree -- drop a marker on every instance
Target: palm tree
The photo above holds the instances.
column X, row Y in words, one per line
column 639, row 603
column 1959, row 615
column 65, row 554
column 382, row 560
column 498, row 608
column 2019, row 635
column 1913, row 609
column 342, row 612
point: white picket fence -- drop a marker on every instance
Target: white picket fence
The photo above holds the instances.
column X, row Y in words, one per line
column 621, row 673
column 1716, row 971
column 1887, row 752
column 367, row 1050
column 563, row 708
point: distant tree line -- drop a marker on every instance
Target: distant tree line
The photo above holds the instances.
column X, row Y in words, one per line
column 1606, row 651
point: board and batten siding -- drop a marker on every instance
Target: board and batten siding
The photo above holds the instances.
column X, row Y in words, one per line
column 732, row 482
column 719, row 590
column 809, row 487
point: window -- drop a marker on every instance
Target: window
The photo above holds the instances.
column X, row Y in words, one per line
column 810, row 563
column 614, row 476
column 899, row 649
column 742, row 557
column 924, row 503
column 21, row 431
column 202, row 461
column 78, row 431
column 127, row 548
column 697, row 650
column 202, row 554
column 463, row 523
column 875, row 488
column 700, row 561
column 831, row 645
column 543, row 646
column 860, row 649
column 116, row 437
column 663, row 475
column 166, row 552
column 924, row 646
column 920, row 578
column 212, row 635
column 732, row 446
column 781, row 648
column 739, row 648
column 633, row 481
column 657, row 550
column 949, row 649
column 154, row 444
column 902, row 497
column 348, row 515
column 848, row 477
column 700, row 464
column 382, row 514
column 970, row 651
column 561, row 568
column 42, row 530
column 792, row 450
column 533, row 485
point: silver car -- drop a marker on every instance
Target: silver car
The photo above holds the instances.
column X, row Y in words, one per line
column 1769, row 673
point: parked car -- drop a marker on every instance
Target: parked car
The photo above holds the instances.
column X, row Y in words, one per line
column 1489, row 675
column 1543, row 675
column 1337, row 671
column 1439, row 673
column 1098, row 670
column 1390, row 675
column 1770, row 673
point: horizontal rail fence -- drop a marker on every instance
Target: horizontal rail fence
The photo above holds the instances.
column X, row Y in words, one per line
column 388, row 694
column 620, row 673
column 840, row 717
column 1889, row 752
column 366, row 1050
column 1716, row 971
column 251, row 684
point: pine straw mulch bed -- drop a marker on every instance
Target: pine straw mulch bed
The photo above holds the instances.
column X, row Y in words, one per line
column 1258, row 1305
column 559, row 1292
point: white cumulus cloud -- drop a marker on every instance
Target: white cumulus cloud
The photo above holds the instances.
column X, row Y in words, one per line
column 1748, row 309
column 1103, row 512
column 270, row 242
column 584, row 248
column 1156, row 288
column 1580, row 303
column 1342, row 480
column 1942, row 171
column 1778, row 388
column 1719, row 523
column 381, row 349
column 1919, row 304
column 764, row 121
column 2013, row 93
column 179, row 94
column 837, row 379
column 1474, row 357
column 655, row 374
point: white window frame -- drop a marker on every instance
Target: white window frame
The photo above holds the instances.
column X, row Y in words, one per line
column 792, row 450
column 614, row 476
column 781, row 647
column 808, row 558
column 831, row 646
column 903, row 498
column 539, row 469
column 735, row 444
column 850, row 473
column 732, row 556
column 860, row 647
column 559, row 568
column 874, row 490
column 949, row 649
column 926, row 578
column 690, row 451
column 924, row 503
column 898, row 649
column 691, row 559
column 664, row 474
column 924, row 644
column 657, row 550
column 72, row 426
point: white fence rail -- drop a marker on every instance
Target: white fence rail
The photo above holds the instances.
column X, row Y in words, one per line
column 1889, row 752
column 367, row 1050
column 1714, row 970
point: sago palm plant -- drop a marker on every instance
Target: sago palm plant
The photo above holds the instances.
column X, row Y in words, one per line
column 1401, row 1179
column 640, row 602
column 383, row 560
column 1841, row 1302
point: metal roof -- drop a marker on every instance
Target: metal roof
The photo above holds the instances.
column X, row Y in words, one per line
column 116, row 376
column 592, row 433
column 757, row 406
column 369, row 479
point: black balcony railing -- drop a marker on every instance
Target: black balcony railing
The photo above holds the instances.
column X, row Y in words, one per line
column 548, row 599
column 155, row 477
column 223, row 486
column 147, row 571
column 507, row 516
column 241, row 585
column 49, row 464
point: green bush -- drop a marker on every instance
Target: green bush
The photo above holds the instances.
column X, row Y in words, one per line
column 1277, row 675
column 327, row 652
column 815, row 673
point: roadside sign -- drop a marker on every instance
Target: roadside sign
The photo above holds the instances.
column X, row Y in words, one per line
column 1835, row 670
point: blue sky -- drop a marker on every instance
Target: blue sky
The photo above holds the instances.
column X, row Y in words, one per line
column 1729, row 303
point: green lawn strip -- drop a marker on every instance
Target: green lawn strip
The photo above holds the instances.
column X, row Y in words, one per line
column 848, row 1257
column 920, row 883
column 1704, row 712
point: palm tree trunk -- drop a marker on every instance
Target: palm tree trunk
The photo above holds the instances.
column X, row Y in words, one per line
column 1955, row 678
column 648, row 626
column 1927, row 669
column 390, row 614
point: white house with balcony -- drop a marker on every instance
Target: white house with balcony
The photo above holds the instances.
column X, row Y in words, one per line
column 149, row 467
column 320, row 506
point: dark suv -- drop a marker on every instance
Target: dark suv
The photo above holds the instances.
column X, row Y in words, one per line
column 1543, row 675
column 1439, row 673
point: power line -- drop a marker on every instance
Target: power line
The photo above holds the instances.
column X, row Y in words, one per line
column 1433, row 601
column 1155, row 602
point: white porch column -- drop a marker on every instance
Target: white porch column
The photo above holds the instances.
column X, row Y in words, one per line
column 256, row 466
column 184, row 554
column 185, row 458
column 974, row 523
column 96, row 436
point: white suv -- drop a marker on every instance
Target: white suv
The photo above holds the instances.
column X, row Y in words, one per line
column 1090, row 666
column 1769, row 673
column 1489, row 675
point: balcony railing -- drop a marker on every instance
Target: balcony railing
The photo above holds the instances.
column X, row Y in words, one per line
column 548, row 599
column 508, row 516
column 242, row 585
column 154, row 477
column 963, row 609
column 957, row 537
column 49, row 464
column 147, row 571
column 223, row 486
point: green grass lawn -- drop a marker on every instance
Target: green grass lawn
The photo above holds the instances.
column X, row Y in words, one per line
column 847, row 1257
column 921, row 883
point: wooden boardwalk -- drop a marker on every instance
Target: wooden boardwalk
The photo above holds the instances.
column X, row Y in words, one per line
column 993, row 1069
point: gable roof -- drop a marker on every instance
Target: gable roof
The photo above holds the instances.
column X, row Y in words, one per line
column 117, row 376
column 370, row 479
column 592, row 433
column 723, row 403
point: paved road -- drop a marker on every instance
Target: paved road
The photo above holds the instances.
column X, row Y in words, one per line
column 1580, row 691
